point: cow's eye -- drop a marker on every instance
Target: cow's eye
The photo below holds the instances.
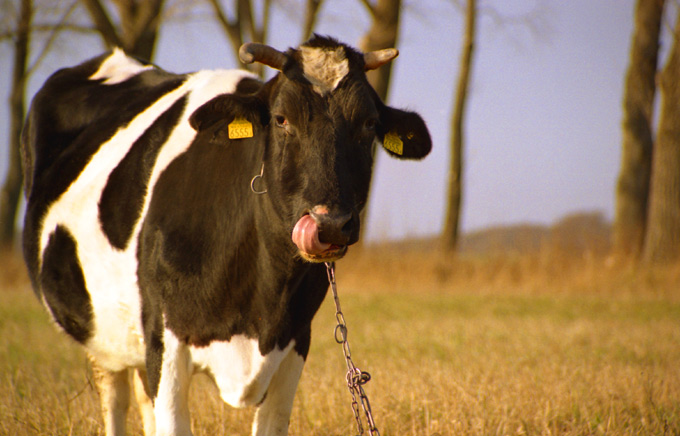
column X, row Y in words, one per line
column 370, row 124
column 280, row 121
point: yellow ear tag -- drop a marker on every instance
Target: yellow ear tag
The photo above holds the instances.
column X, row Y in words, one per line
column 240, row 128
column 393, row 143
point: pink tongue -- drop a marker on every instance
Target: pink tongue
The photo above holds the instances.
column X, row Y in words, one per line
column 306, row 236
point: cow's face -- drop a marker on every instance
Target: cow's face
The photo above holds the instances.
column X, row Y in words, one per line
column 323, row 121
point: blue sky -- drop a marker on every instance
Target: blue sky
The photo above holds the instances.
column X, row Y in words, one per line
column 543, row 128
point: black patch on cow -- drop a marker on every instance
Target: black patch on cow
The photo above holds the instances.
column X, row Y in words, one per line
column 248, row 85
column 63, row 286
column 304, row 304
column 122, row 201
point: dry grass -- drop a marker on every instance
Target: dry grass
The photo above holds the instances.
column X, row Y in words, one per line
column 530, row 344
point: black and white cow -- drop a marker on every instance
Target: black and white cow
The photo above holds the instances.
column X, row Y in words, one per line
column 151, row 240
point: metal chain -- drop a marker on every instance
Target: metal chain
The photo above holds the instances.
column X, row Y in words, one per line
column 355, row 377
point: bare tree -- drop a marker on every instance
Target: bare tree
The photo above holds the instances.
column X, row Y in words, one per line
column 662, row 239
column 452, row 219
column 242, row 26
column 137, row 31
column 11, row 190
column 535, row 23
column 632, row 190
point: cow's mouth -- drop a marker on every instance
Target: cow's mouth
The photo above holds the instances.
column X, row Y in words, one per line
column 312, row 249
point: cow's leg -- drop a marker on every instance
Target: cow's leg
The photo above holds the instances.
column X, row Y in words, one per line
column 144, row 402
column 273, row 415
column 171, row 406
column 114, row 394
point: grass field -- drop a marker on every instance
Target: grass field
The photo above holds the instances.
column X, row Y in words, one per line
column 478, row 346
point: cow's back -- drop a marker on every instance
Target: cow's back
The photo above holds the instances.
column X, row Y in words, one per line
column 79, row 108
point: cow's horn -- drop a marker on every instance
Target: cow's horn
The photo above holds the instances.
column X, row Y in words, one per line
column 378, row 58
column 254, row 52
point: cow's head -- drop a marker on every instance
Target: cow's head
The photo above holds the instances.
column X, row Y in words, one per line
column 322, row 119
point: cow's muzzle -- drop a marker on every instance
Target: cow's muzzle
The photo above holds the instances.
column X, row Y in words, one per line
column 322, row 236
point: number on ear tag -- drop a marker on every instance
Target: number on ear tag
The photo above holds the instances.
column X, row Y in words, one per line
column 393, row 143
column 240, row 128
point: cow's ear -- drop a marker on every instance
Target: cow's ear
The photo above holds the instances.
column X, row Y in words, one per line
column 403, row 134
column 240, row 113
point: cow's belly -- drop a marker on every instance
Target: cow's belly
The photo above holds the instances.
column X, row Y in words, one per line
column 117, row 343
column 240, row 372
column 118, row 340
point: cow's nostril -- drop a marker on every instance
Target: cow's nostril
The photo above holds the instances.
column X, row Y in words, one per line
column 347, row 227
column 336, row 229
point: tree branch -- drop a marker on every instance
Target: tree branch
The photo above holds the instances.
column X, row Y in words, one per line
column 534, row 20
column 231, row 29
column 52, row 37
column 39, row 28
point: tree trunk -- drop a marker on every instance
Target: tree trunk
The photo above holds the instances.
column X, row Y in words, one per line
column 662, row 241
column 382, row 34
column 311, row 14
column 140, row 21
column 452, row 220
column 632, row 191
column 139, row 24
column 11, row 190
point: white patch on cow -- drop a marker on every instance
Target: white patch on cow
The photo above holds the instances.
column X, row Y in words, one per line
column 171, row 407
column 118, row 68
column 240, row 372
column 273, row 415
column 111, row 274
column 324, row 68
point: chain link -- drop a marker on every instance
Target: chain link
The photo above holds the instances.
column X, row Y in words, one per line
column 355, row 377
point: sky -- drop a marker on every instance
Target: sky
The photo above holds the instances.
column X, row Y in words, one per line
column 543, row 123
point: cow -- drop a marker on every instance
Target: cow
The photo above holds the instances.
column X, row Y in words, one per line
column 179, row 223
